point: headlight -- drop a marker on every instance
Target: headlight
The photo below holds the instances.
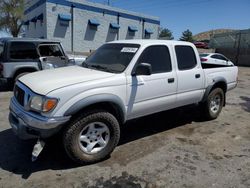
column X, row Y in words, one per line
column 43, row 104
column 36, row 103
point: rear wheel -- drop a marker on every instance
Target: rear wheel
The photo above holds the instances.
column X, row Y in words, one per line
column 92, row 137
column 213, row 105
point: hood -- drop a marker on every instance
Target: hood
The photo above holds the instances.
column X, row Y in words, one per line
column 43, row 82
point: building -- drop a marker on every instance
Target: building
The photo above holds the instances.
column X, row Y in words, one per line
column 83, row 26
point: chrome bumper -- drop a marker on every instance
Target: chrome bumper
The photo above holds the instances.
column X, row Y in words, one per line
column 29, row 125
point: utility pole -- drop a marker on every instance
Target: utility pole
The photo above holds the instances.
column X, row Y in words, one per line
column 238, row 49
column 72, row 28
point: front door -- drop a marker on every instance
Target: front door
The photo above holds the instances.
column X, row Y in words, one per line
column 52, row 55
column 155, row 92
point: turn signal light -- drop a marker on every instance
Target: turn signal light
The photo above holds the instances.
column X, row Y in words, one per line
column 49, row 104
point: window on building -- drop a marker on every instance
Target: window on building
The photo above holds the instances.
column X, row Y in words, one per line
column 185, row 57
column 159, row 58
column 47, row 50
column 23, row 50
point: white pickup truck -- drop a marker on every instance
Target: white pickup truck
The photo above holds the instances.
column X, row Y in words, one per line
column 120, row 81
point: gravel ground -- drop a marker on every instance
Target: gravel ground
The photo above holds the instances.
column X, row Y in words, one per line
column 170, row 149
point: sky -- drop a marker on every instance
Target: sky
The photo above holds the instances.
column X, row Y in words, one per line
column 195, row 15
column 4, row 34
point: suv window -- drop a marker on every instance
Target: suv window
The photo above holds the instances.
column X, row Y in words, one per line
column 159, row 58
column 23, row 50
column 185, row 57
column 50, row 50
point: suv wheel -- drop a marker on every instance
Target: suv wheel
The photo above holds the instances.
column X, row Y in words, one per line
column 92, row 137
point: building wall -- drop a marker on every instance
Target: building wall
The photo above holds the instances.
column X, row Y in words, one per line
column 36, row 29
column 86, row 37
column 57, row 29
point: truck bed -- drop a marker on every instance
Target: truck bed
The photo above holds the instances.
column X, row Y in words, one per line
column 228, row 73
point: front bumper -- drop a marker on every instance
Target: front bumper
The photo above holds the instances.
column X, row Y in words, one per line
column 28, row 125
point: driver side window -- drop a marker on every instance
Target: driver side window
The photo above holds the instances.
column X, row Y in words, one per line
column 158, row 57
column 50, row 50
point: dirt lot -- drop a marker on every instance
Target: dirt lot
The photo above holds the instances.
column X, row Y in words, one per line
column 170, row 149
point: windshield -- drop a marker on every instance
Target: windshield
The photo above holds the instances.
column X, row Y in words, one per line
column 112, row 57
column 204, row 55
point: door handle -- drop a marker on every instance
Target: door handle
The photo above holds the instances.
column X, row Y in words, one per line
column 170, row 80
column 140, row 83
column 197, row 76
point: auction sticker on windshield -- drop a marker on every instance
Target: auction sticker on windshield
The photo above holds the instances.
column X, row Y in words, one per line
column 129, row 50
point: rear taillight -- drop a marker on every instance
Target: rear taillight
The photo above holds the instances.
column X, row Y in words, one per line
column 203, row 59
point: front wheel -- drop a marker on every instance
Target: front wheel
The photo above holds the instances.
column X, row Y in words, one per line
column 92, row 137
column 213, row 105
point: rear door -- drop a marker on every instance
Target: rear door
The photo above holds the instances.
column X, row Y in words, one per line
column 155, row 92
column 190, row 87
column 52, row 54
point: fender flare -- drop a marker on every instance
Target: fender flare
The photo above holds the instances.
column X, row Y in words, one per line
column 23, row 69
column 210, row 87
column 95, row 99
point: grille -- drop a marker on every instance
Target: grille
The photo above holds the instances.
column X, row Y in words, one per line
column 19, row 95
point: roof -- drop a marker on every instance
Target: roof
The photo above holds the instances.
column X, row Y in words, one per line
column 96, row 7
column 5, row 39
column 148, row 41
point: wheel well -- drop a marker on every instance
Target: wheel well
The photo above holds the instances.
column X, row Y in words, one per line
column 110, row 107
column 22, row 70
column 221, row 85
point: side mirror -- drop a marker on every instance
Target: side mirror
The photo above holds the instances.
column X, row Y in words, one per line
column 45, row 64
column 143, row 69
column 71, row 61
column 43, row 59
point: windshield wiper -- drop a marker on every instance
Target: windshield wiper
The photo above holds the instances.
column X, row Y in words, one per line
column 99, row 67
column 84, row 64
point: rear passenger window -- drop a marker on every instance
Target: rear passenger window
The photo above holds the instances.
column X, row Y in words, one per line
column 185, row 57
column 159, row 58
column 218, row 57
column 23, row 50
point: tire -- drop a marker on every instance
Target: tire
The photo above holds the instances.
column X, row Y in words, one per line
column 214, row 103
column 89, row 127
